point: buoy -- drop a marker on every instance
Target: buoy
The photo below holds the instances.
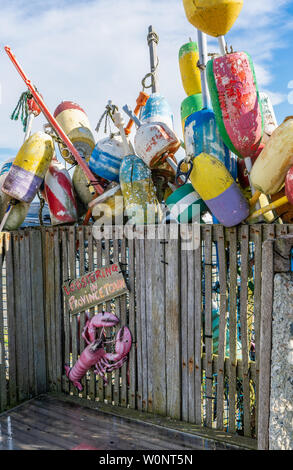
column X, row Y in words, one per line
column 29, row 168
column 188, row 64
column 59, row 194
column 19, row 211
column 218, row 190
column 213, row 17
column 269, row 116
column 271, row 167
column 84, row 191
column 235, row 99
column 140, row 201
column 201, row 133
column 74, row 122
column 185, row 204
column 106, row 158
column 109, row 206
column 153, row 140
column 192, row 104
column 157, row 109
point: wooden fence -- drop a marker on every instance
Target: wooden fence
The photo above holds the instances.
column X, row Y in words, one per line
column 194, row 310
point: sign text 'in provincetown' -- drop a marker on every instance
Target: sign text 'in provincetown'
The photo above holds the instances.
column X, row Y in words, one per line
column 94, row 288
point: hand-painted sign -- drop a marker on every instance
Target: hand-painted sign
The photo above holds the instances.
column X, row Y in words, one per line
column 94, row 288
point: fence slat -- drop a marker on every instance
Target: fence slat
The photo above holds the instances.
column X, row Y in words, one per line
column 138, row 295
column 3, row 384
column 116, row 388
column 109, row 375
column 99, row 381
column 198, row 329
column 12, row 392
column 66, row 314
column 123, row 315
column 222, row 324
column 173, row 362
column 265, row 344
column 58, row 311
column 73, row 318
column 82, row 319
column 38, row 314
column 92, row 375
column 24, row 292
column 132, row 325
column 208, row 337
column 184, row 330
column 244, row 328
column 190, row 333
column 232, row 327
column 148, row 263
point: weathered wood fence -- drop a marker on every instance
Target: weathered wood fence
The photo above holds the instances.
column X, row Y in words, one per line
column 194, row 310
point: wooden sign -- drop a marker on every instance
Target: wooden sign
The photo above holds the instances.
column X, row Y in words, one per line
column 94, row 288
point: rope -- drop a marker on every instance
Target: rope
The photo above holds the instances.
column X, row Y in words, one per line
column 42, row 204
column 22, row 109
column 108, row 116
column 150, row 74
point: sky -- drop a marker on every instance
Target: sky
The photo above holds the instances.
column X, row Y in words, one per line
column 96, row 50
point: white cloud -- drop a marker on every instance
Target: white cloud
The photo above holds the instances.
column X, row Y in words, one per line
column 93, row 51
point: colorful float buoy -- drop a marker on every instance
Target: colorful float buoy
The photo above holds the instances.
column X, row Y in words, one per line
column 106, row 158
column 19, row 211
column 74, row 122
column 213, row 17
column 271, row 167
column 235, row 99
column 218, row 190
column 192, row 104
column 29, row 168
column 188, row 64
column 59, row 194
column 157, row 109
column 185, row 204
column 109, row 207
column 84, row 191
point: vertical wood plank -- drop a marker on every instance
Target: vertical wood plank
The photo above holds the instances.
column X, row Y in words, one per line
column 173, row 333
column 159, row 324
column 74, row 320
column 265, row 344
column 58, row 310
column 244, row 328
column 30, row 331
column 18, row 319
column 148, row 263
column 117, row 375
column 198, row 328
column 222, row 324
column 232, row 327
column 82, row 317
column 109, row 386
column 38, row 314
column 47, row 272
column 12, row 391
column 124, row 321
column 24, row 291
column 208, row 337
column 138, row 295
column 145, row 371
column 99, row 381
column 184, row 329
column 92, row 375
column 132, row 325
column 66, row 314
column 190, row 333
column 3, row 384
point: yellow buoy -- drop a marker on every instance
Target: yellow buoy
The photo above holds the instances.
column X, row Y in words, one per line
column 213, row 17
column 190, row 73
column 269, row 171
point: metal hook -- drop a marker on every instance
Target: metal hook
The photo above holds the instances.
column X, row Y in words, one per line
column 183, row 174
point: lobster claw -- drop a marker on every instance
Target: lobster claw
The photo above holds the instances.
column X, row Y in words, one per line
column 122, row 346
column 101, row 320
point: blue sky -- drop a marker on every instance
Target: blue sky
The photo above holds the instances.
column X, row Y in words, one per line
column 93, row 51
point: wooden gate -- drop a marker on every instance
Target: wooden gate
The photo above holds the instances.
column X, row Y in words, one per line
column 194, row 310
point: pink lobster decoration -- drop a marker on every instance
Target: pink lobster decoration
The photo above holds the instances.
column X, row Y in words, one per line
column 95, row 354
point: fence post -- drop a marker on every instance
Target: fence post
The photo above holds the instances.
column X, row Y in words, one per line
column 276, row 351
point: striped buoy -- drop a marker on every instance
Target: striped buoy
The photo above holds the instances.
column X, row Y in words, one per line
column 107, row 157
column 59, row 194
column 139, row 192
column 19, row 211
column 74, row 122
column 235, row 99
column 218, row 190
column 202, row 136
column 185, row 204
column 213, row 17
column 29, row 168
column 157, row 109
column 188, row 64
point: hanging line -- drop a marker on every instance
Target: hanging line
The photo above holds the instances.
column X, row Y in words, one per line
column 107, row 116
